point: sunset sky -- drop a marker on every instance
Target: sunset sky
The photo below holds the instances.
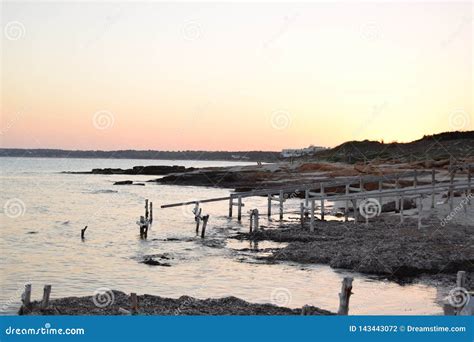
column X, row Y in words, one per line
column 109, row 75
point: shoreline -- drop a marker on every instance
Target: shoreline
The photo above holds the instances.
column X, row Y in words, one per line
column 383, row 248
column 112, row 302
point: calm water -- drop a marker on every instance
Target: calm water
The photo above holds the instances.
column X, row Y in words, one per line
column 44, row 210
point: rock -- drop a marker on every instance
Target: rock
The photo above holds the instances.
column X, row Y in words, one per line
column 125, row 182
column 153, row 262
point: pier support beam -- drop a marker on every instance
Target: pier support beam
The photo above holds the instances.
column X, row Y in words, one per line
column 231, row 204
column 46, row 294
column 322, row 203
column 346, row 210
column 269, row 205
column 344, row 296
column 239, row 208
column 281, row 204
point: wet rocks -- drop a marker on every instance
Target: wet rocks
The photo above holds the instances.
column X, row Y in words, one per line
column 153, row 170
column 384, row 247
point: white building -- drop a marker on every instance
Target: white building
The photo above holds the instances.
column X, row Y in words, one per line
column 298, row 152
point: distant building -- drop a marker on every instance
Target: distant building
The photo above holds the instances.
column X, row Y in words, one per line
column 299, row 152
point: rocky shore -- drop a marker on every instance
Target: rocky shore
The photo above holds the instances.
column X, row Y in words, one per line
column 118, row 303
column 152, row 170
column 384, row 247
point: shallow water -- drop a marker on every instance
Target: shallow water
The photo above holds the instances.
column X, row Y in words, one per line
column 40, row 244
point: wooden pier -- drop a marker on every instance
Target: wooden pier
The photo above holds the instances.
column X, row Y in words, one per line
column 355, row 193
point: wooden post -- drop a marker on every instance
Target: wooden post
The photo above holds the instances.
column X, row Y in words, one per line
column 255, row 218
column 26, row 296
column 251, row 221
column 205, row 218
column 239, row 208
column 344, row 296
column 433, row 184
column 401, row 208
column 151, row 212
column 322, row 202
column 311, row 222
column 198, row 222
column 281, row 205
column 302, row 214
column 83, row 231
column 361, row 184
column 306, row 198
column 146, row 209
column 269, row 205
column 346, row 210
column 231, row 204
column 46, row 294
column 133, row 302
column 397, row 203
column 420, row 210
column 354, row 205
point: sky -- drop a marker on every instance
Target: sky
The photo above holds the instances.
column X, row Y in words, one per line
column 232, row 76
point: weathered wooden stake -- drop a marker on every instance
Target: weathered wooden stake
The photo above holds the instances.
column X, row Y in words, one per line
column 83, row 231
column 151, row 212
column 255, row 219
column 306, row 198
column 346, row 210
column 46, row 294
column 239, row 208
column 344, row 296
column 269, row 205
column 401, row 209
column 354, row 205
column 146, row 209
column 198, row 223
column 397, row 185
column 322, row 202
column 420, row 210
column 281, row 204
column 302, row 214
column 133, row 302
column 205, row 218
column 26, row 296
column 311, row 222
column 231, row 204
